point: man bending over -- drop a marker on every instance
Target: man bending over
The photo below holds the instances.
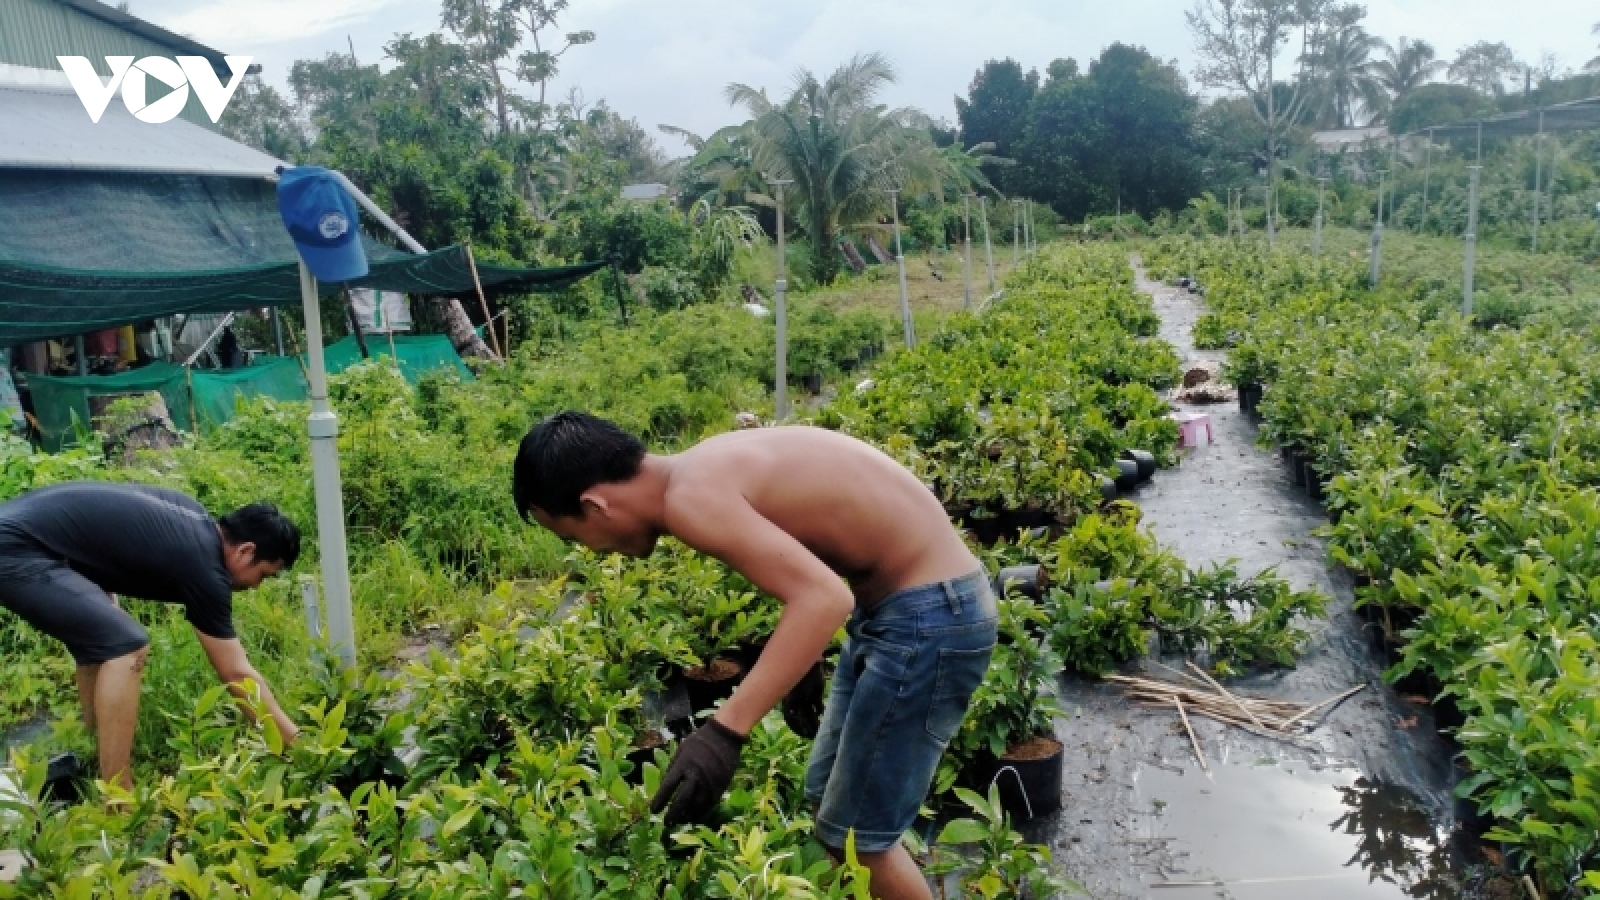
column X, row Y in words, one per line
column 836, row 531
column 66, row 551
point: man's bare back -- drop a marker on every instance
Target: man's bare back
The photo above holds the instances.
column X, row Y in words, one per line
column 857, row 510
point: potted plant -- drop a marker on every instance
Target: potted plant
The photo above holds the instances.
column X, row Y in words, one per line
column 1008, row 738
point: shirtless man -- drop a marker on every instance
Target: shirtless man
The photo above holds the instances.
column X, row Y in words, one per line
column 841, row 535
column 67, row 550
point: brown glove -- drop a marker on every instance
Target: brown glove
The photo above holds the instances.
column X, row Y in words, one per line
column 699, row 774
column 802, row 708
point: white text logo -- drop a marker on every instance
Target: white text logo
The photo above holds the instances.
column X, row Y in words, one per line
column 186, row 72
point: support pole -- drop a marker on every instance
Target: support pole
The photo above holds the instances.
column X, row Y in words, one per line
column 277, row 329
column 988, row 245
column 966, row 251
column 483, row 303
column 900, row 261
column 1016, row 234
column 1469, row 264
column 1470, row 257
column 1316, row 235
column 323, row 427
column 81, row 353
column 1538, row 180
column 780, row 314
column 1375, row 251
column 1427, row 178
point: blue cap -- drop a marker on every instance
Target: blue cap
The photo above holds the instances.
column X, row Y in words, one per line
column 322, row 219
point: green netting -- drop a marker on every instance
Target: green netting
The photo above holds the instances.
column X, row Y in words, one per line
column 82, row 251
column 61, row 403
column 418, row 354
column 217, row 393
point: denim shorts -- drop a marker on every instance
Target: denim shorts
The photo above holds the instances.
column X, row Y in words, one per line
column 902, row 687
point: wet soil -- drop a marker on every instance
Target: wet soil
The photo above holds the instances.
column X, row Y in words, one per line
column 721, row 669
column 1036, row 747
column 1365, row 815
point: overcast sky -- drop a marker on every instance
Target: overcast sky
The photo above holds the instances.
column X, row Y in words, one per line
column 666, row 61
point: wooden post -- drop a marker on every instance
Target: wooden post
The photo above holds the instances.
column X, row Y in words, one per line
column 483, row 302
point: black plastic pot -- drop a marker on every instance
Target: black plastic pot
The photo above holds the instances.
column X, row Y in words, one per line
column 1015, row 520
column 1029, row 788
column 61, row 776
column 1249, row 398
column 1128, row 477
column 1314, row 484
column 1108, row 488
column 987, row 531
column 639, row 756
column 1297, row 468
column 1145, row 460
column 1027, row 581
column 705, row 694
column 811, row 383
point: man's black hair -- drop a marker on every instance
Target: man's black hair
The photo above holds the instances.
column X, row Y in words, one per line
column 276, row 537
column 567, row 454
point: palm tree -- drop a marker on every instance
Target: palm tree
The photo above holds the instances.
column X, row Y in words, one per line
column 1340, row 63
column 1593, row 65
column 841, row 149
column 1407, row 66
column 963, row 169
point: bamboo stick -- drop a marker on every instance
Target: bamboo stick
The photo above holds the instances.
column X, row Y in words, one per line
column 1224, row 692
column 1329, row 702
column 1533, row 891
column 488, row 322
column 1193, row 741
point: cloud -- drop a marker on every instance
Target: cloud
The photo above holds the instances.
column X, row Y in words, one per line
column 249, row 23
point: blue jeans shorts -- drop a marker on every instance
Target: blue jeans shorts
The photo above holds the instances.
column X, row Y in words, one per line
column 902, row 687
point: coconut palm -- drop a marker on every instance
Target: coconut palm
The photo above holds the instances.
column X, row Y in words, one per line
column 841, row 149
column 1344, row 81
column 963, row 169
column 1406, row 66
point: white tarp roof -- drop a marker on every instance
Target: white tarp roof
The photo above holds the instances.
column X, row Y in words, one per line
column 45, row 127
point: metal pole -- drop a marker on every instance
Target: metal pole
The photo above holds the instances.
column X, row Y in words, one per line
column 277, row 329
column 79, row 351
column 1538, row 180
column 988, row 246
column 1375, row 251
column 1016, row 234
column 1469, row 265
column 323, row 427
column 781, row 313
column 1427, row 178
column 900, row 260
column 1316, row 235
column 966, row 251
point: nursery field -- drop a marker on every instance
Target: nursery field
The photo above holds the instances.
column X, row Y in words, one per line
column 523, row 758
column 1456, row 461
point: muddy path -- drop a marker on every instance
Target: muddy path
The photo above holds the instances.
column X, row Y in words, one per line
column 1367, row 814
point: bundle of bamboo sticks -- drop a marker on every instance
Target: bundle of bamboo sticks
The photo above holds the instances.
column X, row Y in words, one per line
column 1203, row 696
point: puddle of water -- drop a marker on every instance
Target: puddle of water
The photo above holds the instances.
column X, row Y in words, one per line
column 1265, row 829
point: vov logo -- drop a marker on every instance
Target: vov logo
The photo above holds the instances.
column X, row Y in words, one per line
column 186, row 72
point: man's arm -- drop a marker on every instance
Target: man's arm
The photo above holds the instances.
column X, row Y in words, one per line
column 233, row 666
column 815, row 600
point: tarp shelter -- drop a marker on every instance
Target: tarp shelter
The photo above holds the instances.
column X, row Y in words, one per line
column 419, row 354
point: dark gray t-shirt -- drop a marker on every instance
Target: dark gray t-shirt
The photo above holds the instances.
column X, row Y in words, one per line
column 131, row 539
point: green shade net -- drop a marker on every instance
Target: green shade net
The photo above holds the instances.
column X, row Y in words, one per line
column 61, row 404
column 82, row 251
column 217, row 392
column 418, row 354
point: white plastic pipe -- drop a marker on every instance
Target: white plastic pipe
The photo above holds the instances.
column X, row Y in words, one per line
column 781, row 313
column 323, row 427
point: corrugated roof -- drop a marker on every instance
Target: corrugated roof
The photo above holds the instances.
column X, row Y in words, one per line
column 47, row 128
column 34, row 32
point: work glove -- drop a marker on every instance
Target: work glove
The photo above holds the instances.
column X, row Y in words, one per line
column 802, row 708
column 699, row 774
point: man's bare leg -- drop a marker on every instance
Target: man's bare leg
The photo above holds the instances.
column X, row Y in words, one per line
column 116, row 711
column 895, row 875
column 86, row 678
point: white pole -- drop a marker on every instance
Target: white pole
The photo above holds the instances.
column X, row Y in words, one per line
column 781, row 311
column 1469, row 263
column 900, row 260
column 1016, row 234
column 966, row 251
column 323, row 427
column 1375, row 252
column 1427, row 180
column 988, row 246
column 1538, row 180
column 1316, row 236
